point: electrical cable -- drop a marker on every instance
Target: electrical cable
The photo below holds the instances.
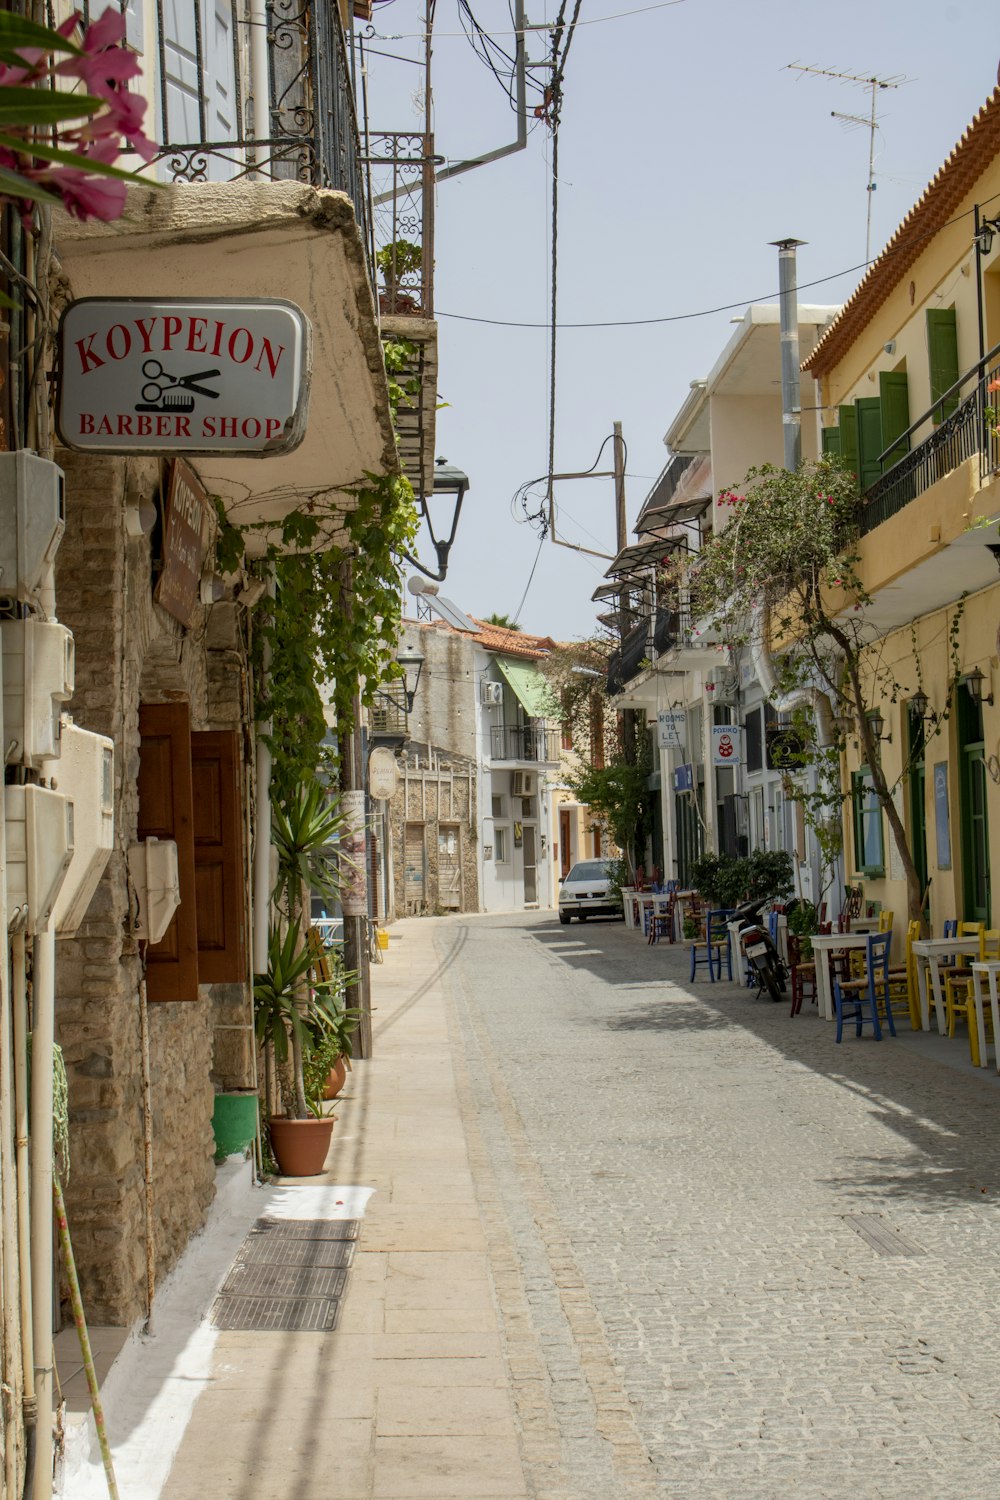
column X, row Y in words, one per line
column 531, row 575
column 706, row 312
column 618, row 15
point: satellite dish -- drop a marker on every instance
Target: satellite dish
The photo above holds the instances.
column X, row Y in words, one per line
column 418, row 585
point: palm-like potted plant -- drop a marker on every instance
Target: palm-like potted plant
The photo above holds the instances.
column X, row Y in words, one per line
column 293, row 1008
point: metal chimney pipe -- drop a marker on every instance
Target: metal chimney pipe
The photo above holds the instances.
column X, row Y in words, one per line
column 791, row 409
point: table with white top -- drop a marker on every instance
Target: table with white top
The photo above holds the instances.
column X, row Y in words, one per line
column 643, row 901
column 928, row 954
column 990, row 970
column 825, row 944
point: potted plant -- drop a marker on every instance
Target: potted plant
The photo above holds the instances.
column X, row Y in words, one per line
column 802, row 923
column 290, row 1014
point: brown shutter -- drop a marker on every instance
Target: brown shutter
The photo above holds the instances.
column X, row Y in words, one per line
column 165, row 812
column 218, row 857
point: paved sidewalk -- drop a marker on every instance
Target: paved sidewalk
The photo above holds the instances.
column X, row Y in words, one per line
column 409, row 1396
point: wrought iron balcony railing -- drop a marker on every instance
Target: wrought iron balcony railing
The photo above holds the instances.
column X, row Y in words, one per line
column 525, row 742
column 389, row 718
column 211, row 125
column 960, row 436
column 402, row 183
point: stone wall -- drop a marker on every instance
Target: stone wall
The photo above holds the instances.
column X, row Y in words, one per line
column 129, row 651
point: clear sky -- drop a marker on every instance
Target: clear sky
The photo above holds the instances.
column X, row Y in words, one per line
column 685, row 147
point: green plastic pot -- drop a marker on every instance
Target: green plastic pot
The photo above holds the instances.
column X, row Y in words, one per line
column 234, row 1123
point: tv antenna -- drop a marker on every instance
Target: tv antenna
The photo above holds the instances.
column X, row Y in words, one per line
column 851, row 122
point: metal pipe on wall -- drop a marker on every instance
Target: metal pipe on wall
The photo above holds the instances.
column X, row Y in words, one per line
column 791, row 406
column 41, row 1147
column 262, row 831
column 19, row 1008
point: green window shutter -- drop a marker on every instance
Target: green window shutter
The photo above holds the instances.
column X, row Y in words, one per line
column 895, row 400
column 869, row 417
column 831, row 441
column 942, row 351
column 849, row 437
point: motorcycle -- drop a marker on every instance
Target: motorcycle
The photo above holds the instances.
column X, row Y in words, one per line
column 760, row 949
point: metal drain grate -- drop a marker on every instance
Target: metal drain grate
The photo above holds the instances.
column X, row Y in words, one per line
column 289, row 1276
column 309, row 1229
column 269, row 1250
column 881, row 1235
column 276, row 1314
column 284, row 1281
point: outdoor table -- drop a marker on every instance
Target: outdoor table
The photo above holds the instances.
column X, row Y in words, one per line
column 651, row 901
column 991, row 968
column 864, row 924
column 629, row 894
column 928, row 953
column 825, row 943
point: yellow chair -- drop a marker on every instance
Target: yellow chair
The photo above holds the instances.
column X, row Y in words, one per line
column 903, row 980
column 885, row 921
column 958, row 990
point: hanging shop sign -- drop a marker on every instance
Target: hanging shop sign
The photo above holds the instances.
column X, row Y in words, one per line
column 671, row 728
column 186, row 532
column 727, row 745
column 383, row 774
column 684, row 778
column 174, row 376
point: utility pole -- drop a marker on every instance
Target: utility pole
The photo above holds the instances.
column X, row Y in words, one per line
column 621, row 528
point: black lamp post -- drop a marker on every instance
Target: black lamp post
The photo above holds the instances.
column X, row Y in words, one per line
column 448, row 480
column 412, row 664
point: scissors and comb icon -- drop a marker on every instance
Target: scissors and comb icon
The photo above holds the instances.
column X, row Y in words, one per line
column 166, row 392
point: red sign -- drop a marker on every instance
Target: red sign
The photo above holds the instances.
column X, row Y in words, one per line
column 186, row 533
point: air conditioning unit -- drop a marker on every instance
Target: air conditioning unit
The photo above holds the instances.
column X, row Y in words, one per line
column 523, row 784
column 153, row 868
column 84, row 772
column 39, row 851
column 32, row 522
column 491, row 693
column 38, row 677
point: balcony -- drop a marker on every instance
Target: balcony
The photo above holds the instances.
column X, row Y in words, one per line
column 388, row 718
column 524, row 744
column 964, row 434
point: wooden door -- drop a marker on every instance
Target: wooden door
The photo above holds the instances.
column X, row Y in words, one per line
column 220, row 880
column 166, row 812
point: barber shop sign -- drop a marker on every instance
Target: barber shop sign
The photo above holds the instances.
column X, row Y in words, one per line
column 183, row 377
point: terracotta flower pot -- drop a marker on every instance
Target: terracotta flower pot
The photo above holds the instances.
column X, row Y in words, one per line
column 300, row 1146
column 335, row 1079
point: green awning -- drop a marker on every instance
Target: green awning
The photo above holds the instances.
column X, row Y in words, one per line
column 530, row 688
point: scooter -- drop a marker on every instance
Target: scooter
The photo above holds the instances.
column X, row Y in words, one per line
column 759, row 947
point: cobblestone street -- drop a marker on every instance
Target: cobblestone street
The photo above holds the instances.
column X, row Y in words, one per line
column 668, row 1174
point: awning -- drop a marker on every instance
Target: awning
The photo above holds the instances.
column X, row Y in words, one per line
column 530, row 688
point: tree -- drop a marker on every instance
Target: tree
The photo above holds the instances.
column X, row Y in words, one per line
column 503, row 621
column 785, row 570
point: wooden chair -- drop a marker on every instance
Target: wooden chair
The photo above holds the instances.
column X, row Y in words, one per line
column 801, row 972
column 861, row 1000
column 958, row 989
column 710, row 948
column 661, row 923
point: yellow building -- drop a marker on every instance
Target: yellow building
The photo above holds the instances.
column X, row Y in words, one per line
column 905, row 371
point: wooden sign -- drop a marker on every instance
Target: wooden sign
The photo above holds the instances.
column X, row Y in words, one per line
column 186, row 532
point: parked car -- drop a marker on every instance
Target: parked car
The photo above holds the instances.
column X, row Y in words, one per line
column 586, row 891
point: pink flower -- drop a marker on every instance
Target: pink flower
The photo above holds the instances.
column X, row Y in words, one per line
column 85, row 196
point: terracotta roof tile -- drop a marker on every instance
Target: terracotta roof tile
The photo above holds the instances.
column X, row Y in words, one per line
column 967, row 162
column 512, row 642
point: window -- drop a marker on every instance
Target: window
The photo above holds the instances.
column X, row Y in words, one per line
column 498, row 807
column 500, row 854
column 869, row 857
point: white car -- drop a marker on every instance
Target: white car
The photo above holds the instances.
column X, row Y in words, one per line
column 586, row 892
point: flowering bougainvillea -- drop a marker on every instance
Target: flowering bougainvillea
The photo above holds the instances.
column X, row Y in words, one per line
column 67, row 114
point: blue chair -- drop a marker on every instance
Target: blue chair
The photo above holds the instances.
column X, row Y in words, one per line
column 858, row 1000
column 709, row 949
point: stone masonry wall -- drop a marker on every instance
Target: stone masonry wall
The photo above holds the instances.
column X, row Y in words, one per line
column 126, row 649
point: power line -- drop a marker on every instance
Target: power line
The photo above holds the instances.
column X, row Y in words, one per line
column 707, row 312
column 619, row 15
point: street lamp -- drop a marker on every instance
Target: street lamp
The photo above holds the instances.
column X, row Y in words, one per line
column 448, row 480
column 919, row 704
column 974, row 682
column 412, row 664
column 877, row 723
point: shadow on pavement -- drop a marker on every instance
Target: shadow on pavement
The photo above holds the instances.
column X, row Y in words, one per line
column 947, row 1112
